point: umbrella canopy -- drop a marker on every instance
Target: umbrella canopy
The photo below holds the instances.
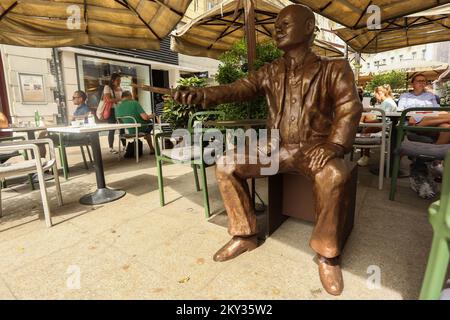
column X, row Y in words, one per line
column 215, row 32
column 135, row 24
column 398, row 33
column 353, row 13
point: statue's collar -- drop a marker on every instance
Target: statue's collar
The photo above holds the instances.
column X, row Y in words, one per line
column 309, row 58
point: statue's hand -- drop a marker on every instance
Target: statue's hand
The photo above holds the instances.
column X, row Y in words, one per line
column 322, row 153
column 188, row 97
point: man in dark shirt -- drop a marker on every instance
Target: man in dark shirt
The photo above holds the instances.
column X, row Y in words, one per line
column 132, row 108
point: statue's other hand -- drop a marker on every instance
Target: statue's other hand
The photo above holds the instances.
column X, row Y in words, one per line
column 188, row 97
column 322, row 153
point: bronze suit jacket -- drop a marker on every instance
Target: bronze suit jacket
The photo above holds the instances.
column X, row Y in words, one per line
column 331, row 107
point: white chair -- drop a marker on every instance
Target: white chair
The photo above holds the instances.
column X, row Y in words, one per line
column 36, row 165
column 379, row 140
column 130, row 136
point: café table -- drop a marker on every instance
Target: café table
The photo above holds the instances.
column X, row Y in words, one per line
column 103, row 194
column 30, row 131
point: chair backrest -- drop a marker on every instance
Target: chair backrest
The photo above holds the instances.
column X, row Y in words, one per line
column 445, row 192
column 203, row 116
column 126, row 119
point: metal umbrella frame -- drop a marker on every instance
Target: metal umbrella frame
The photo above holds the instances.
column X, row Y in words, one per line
column 215, row 32
column 398, row 33
column 356, row 14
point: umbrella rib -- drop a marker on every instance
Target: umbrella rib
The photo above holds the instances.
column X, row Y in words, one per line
column 376, row 36
column 438, row 21
column 362, row 14
column 226, row 29
column 126, row 5
column 168, row 7
column 264, row 27
column 8, row 10
column 325, row 6
column 406, row 32
column 267, row 32
column 86, row 17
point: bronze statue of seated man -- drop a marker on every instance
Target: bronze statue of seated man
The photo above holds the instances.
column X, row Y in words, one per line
column 313, row 102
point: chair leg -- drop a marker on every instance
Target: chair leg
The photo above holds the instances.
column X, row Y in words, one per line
column 394, row 177
column 89, row 154
column 58, row 185
column 197, row 186
column 1, row 206
column 84, row 158
column 118, row 155
column 30, row 176
column 64, row 165
column 205, row 190
column 136, row 149
column 382, row 165
column 436, row 269
column 160, row 182
column 44, row 197
column 388, row 162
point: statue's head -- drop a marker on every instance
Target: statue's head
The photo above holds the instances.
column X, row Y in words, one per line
column 295, row 26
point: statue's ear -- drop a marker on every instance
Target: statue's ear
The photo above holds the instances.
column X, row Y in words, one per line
column 310, row 26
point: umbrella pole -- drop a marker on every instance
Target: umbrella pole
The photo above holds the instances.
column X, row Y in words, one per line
column 250, row 32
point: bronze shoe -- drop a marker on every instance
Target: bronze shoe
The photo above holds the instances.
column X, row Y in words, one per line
column 235, row 247
column 331, row 275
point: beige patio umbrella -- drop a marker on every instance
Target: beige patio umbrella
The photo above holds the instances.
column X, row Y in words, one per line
column 354, row 14
column 398, row 33
column 215, row 32
column 136, row 24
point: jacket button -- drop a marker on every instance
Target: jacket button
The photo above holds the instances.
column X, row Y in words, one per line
column 293, row 118
column 294, row 100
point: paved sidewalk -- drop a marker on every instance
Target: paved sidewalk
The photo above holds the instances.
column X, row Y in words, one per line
column 134, row 249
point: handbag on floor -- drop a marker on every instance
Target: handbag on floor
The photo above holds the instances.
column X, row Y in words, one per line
column 130, row 150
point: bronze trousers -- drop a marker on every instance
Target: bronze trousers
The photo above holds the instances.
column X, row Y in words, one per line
column 328, row 191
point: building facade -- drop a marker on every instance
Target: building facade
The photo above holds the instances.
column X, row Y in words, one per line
column 407, row 59
column 43, row 80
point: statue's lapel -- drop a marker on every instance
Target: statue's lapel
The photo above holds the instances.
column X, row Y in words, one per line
column 311, row 68
column 280, row 91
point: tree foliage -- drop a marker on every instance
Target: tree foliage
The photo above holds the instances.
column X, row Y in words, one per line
column 234, row 66
column 396, row 79
column 177, row 114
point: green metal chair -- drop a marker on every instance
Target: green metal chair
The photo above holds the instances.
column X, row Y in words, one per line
column 402, row 129
column 187, row 155
column 62, row 145
column 439, row 215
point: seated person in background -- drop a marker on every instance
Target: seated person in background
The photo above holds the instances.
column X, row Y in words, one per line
column 81, row 112
column 130, row 107
column 3, row 121
column 383, row 94
column 421, row 98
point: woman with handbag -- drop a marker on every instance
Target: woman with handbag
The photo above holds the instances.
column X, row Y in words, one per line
column 112, row 95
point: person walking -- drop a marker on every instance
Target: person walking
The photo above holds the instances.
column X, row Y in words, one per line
column 113, row 92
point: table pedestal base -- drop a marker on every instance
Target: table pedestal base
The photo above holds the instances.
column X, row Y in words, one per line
column 101, row 196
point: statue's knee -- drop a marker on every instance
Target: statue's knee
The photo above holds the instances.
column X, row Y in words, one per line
column 334, row 172
column 224, row 168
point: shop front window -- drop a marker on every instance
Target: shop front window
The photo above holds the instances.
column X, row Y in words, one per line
column 94, row 73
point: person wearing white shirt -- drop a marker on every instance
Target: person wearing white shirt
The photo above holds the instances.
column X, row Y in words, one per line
column 420, row 98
